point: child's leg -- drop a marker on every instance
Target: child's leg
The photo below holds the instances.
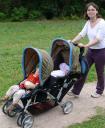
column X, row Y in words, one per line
column 10, row 92
column 29, row 85
column 17, row 96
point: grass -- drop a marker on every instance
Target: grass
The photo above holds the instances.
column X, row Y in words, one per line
column 15, row 36
column 97, row 121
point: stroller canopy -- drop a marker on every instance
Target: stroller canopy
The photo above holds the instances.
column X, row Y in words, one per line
column 63, row 51
column 32, row 58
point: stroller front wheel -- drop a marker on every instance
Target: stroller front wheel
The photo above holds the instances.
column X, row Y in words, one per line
column 67, row 107
column 27, row 122
column 20, row 118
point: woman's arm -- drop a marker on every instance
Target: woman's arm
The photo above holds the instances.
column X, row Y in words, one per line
column 81, row 34
column 91, row 43
column 77, row 39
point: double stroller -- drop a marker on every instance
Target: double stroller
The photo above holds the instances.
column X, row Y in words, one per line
column 49, row 93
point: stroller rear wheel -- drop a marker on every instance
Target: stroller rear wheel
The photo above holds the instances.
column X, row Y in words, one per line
column 12, row 113
column 27, row 122
column 67, row 107
column 5, row 106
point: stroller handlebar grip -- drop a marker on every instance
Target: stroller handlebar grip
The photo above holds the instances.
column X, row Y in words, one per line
column 82, row 49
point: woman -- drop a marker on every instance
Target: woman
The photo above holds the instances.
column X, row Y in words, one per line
column 95, row 30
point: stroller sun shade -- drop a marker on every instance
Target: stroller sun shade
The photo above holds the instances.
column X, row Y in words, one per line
column 64, row 52
column 32, row 58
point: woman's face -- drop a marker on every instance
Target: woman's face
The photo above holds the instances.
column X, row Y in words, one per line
column 92, row 12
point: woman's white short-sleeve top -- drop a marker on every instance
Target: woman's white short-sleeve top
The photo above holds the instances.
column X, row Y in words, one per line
column 98, row 31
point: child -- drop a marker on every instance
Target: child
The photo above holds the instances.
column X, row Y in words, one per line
column 63, row 70
column 19, row 90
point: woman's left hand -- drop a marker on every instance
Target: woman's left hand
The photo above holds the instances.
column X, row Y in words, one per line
column 81, row 45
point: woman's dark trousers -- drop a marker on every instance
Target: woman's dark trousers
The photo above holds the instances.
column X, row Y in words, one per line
column 97, row 57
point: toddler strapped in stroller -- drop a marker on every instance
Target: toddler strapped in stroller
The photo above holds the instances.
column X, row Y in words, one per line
column 51, row 90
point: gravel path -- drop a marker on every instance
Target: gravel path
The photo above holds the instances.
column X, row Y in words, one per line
column 84, row 107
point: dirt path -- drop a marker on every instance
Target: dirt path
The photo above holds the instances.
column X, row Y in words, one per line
column 84, row 107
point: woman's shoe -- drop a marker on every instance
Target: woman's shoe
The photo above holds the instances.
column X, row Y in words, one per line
column 71, row 94
column 96, row 95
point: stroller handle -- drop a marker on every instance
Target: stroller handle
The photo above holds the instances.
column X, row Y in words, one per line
column 82, row 49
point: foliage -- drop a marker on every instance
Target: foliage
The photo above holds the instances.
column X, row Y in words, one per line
column 34, row 14
column 18, row 14
column 47, row 8
column 48, row 13
column 103, row 12
column 2, row 16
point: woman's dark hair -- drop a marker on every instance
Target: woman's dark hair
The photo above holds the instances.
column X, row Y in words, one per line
column 95, row 6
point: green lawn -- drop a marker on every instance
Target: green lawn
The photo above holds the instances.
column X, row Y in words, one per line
column 97, row 121
column 15, row 36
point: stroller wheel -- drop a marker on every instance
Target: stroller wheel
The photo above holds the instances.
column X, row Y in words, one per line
column 12, row 113
column 15, row 110
column 5, row 106
column 67, row 107
column 20, row 118
column 27, row 122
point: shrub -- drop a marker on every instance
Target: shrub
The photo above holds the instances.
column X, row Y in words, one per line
column 34, row 14
column 2, row 16
column 103, row 12
column 18, row 14
column 48, row 13
column 74, row 17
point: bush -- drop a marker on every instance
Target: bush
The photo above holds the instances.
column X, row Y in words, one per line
column 74, row 17
column 48, row 13
column 103, row 12
column 2, row 16
column 34, row 14
column 19, row 14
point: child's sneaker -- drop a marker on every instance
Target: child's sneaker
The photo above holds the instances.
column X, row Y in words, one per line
column 3, row 99
column 96, row 95
column 11, row 108
column 71, row 94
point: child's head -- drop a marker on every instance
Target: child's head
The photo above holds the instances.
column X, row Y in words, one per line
column 64, row 67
